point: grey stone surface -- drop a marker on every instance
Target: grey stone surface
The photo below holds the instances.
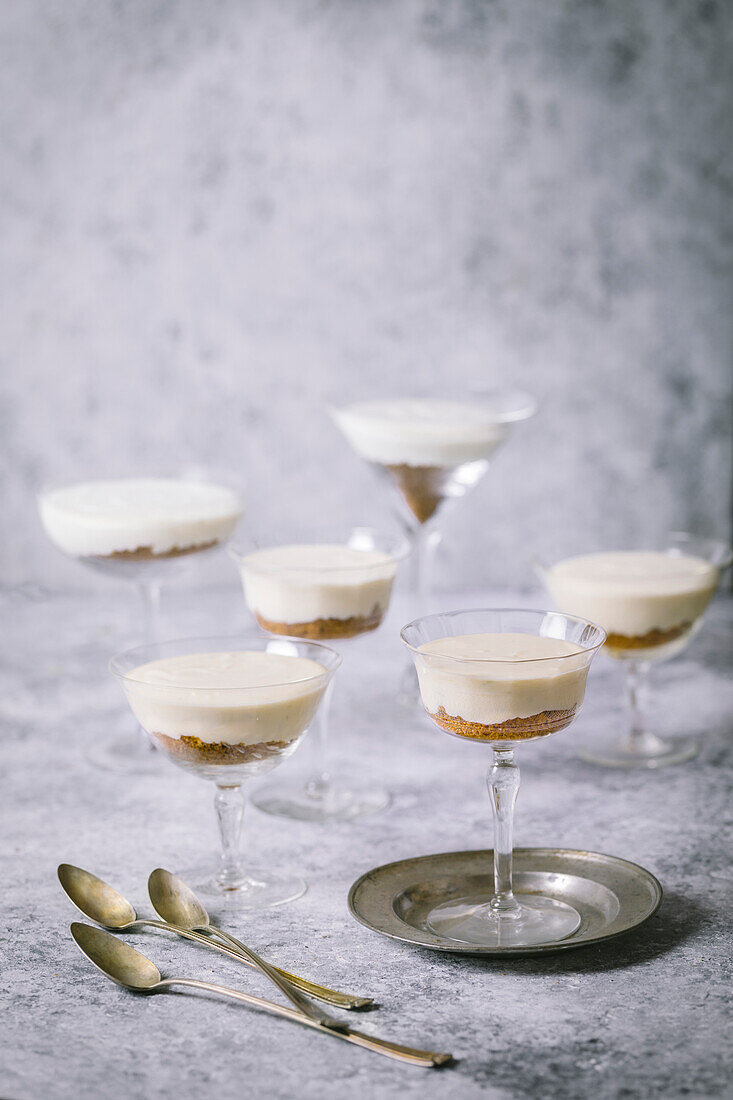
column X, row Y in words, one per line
column 217, row 215
column 640, row 1017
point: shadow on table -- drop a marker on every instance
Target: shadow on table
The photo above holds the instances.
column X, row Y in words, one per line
column 676, row 921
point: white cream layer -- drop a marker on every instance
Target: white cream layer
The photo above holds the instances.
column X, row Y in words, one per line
column 243, row 697
column 299, row 584
column 501, row 676
column 106, row 517
column 427, row 432
column 633, row 592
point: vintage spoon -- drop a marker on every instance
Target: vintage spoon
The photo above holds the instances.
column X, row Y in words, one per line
column 127, row 967
column 174, row 901
column 104, row 905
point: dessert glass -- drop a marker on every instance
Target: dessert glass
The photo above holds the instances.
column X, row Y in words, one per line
column 335, row 602
column 650, row 616
column 89, row 539
column 503, row 702
column 430, row 452
column 229, row 734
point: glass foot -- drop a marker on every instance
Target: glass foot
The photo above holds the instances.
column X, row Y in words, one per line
column 128, row 754
column 472, row 920
column 642, row 751
column 255, row 888
column 338, row 800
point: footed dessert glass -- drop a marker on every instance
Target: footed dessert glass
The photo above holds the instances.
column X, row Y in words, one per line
column 651, row 602
column 430, row 451
column 229, row 710
column 146, row 530
column 333, row 588
column 502, row 678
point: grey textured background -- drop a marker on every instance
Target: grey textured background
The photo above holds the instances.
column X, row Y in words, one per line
column 217, row 215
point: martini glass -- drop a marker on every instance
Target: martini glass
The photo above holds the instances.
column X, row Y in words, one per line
column 502, row 678
column 651, row 603
column 229, row 710
column 430, row 451
column 155, row 545
column 335, row 588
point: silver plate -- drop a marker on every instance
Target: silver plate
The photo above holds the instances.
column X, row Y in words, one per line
column 611, row 894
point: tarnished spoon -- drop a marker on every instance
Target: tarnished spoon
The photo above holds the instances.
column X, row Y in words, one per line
column 127, row 967
column 175, row 901
column 104, row 905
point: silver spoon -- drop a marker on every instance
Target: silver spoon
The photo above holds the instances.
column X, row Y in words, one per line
column 104, row 905
column 175, row 902
column 128, row 968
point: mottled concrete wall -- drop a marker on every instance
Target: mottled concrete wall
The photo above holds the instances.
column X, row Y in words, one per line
column 217, row 214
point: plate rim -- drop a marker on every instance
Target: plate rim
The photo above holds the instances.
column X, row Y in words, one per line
column 536, row 949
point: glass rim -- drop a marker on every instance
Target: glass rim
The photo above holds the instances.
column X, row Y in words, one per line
column 666, row 546
column 526, row 405
column 504, row 660
column 264, row 639
column 397, row 555
column 215, row 481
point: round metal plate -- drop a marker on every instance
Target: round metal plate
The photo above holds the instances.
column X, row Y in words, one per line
column 611, row 894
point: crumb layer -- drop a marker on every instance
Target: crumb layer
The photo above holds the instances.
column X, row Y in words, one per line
column 422, row 488
column 146, row 553
column 325, row 628
column 649, row 640
column 514, row 729
column 195, row 751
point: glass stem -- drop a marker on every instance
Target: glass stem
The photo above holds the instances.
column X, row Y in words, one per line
column 150, row 596
column 503, row 783
column 229, row 806
column 425, row 541
column 636, row 676
column 319, row 784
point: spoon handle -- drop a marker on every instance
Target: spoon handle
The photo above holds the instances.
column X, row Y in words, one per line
column 400, row 1053
column 320, row 992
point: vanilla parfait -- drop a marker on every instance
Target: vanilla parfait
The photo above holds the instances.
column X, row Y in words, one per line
column 138, row 519
column 228, row 709
column 433, row 448
column 328, row 590
column 503, row 677
column 318, row 591
column 650, row 602
column 502, row 687
column 190, row 707
column 148, row 530
column 430, row 450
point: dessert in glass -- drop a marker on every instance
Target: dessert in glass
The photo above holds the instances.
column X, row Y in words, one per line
column 227, row 710
column 332, row 589
column 651, row 603
column 502, row 678
column 431, row 451
column 147, row 530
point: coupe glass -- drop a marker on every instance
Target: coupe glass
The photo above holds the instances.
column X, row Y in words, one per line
column 133, row 753
column 258, row 727
column 429, row 464
column 683, row 608
column 341, row 603
column 482, row 700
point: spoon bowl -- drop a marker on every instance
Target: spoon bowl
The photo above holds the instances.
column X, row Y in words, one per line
column 95, row 898
column 115, row 958
column 175, row 901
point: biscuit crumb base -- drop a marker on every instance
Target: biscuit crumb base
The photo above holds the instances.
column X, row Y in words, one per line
column 325, row 628
column 195, row 751
column 514, row 729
